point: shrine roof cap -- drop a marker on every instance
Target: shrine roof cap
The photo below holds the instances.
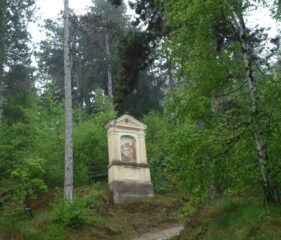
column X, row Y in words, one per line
column 126, row 121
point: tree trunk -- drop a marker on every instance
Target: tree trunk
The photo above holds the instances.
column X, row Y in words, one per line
column 79, row 90
column 172, row 83
column 261, row 146
column 1, row 96
column 80, row 99
column 2, row 58
column 68, row 174
column 109, row 72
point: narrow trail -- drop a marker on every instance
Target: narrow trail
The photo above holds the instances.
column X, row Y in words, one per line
column 161, row 234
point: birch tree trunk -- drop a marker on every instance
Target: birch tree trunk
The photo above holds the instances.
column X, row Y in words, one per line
column 109, row 72
column 261, row 146
column 68, row 174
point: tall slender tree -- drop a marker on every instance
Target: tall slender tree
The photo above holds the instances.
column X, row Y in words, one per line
column 109, row 72
column 68, row 179
column 220, row 62
column 261, row 145
column 14, row 51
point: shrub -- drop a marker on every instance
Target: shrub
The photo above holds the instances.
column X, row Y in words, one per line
column 77, row 213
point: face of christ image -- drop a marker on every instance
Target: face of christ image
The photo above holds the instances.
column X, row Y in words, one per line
column 128, row 149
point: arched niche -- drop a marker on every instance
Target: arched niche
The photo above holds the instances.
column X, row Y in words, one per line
column 128, row 149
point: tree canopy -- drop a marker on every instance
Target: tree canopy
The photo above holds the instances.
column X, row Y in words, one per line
column 200, row 74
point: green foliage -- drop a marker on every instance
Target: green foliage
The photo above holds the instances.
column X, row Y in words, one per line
column 27, row 183
column 77, row 213
column 55, row 232
column 212, row 149
column 90, row 148
column 28, row 177
column 11, row 214
column 157, row 140
column 188, row 211
column 15, row 58
column 38, row 144
column 53, row 221
column 89, row 68
column 234, row 218
column 101, row 103
column 69, row 214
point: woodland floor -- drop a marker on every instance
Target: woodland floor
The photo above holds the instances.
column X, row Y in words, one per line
column 147, row 219
column 164, row 232
column 154, row 218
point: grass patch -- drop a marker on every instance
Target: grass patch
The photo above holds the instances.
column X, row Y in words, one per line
column 92, row 215
column 234, row 219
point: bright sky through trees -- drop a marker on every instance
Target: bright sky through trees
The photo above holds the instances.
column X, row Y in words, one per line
column 51, row 9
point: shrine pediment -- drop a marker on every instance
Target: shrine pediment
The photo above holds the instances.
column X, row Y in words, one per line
column 126, row 121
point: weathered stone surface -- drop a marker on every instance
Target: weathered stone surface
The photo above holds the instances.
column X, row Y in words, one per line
column 123, row 191
column 128, row 170
column 120, row 163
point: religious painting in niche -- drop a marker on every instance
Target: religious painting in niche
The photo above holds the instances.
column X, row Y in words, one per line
column 128, row 149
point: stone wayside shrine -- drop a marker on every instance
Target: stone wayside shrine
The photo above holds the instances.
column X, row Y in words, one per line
column 128, row 170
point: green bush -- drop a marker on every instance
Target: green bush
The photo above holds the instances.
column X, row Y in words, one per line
column 41, row 136
column 69, row 214
column 55, row 232
column 10, row 216
column 30, row 233
column 77, row 213
column 157, row 135
column 90, row 148
column 28, row 177
column 190, row 209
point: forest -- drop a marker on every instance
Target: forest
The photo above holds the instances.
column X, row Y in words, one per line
column 201, row 74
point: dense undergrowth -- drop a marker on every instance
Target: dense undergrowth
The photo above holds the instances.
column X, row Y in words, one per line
column 92, row 215
column 233, row 218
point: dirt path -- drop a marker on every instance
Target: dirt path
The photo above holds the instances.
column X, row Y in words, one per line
column 161, row 234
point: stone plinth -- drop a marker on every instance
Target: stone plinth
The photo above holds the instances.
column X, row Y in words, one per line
column 128, row 170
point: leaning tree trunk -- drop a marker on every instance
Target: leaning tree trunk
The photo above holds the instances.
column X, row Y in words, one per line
column 109, row 72
column 68, row 174
column 261, row 146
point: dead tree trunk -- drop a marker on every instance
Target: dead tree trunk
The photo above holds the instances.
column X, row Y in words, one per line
column 109, row 72
column 68, row 174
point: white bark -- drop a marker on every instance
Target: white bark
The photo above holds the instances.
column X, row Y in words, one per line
column 109, row 72
column 258, row 133
column 68, row 175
